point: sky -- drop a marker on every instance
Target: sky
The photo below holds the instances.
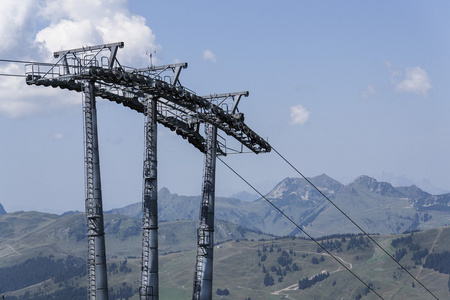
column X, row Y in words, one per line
column 345, row 88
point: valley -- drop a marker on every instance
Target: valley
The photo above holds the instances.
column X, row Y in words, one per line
column 258, row 254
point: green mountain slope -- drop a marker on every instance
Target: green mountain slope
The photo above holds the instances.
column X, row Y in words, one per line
column 31, row 234
column 239, row 267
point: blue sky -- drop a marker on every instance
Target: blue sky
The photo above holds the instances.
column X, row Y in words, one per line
column 345, row 88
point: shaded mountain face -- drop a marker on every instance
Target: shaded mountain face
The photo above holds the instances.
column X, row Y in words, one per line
column 424, row 201
column 413, row 192
column 245, row 196
column 373, row 186
column 2, row 210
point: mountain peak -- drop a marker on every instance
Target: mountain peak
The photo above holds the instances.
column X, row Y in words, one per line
column 285, row 187
column 326, row 182
column 324, row 176
column 2, row 210
column 245, row 196
column 414, row 192
column 364, row 179
column 382, row 188
column 164, row 191
column 300, row 188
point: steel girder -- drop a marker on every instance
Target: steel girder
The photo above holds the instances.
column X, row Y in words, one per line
column 128, row 83
column 186, row 129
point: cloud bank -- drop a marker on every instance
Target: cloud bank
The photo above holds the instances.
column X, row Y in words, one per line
column 33, row 30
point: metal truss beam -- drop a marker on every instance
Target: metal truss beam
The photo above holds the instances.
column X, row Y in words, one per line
column 213, row 109
column 186, row 129
column 182, row 100
column 112, row 47
column 235, row 96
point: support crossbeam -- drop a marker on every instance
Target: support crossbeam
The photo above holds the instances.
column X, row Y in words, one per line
column 148, row 81
column 112, row 46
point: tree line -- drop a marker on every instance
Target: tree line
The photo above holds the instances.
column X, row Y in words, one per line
column 38, row 269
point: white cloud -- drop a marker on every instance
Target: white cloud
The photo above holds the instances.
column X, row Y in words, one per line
column 58, row 136
column 19, row 100
column 368, row 91
column 136, row 35
column 67, row 24
column 14, row 23
column 106, row 21
column 68, row 34
column 77, row 10
column 416, row 82
column 299, row 115
column 208, row 55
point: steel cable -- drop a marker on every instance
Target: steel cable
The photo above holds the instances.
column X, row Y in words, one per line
column 359, row 227
column 296, row 225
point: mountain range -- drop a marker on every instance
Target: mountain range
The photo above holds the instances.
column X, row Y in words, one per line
column 246, row 244
column 377, row 207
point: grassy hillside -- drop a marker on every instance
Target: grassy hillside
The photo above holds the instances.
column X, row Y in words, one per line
column 27, row 234
column 237, row 268
column 238, row 264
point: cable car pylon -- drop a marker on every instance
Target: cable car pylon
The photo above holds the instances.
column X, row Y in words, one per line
column 97, row 275
column 149, row 273
column 96, row 71
column 203, row 278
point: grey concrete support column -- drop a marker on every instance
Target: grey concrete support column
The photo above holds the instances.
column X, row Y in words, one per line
column 149, row 279
column 203, row 279
column 97, row 275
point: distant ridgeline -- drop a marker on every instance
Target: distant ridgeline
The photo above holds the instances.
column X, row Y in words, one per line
column 377, row 207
